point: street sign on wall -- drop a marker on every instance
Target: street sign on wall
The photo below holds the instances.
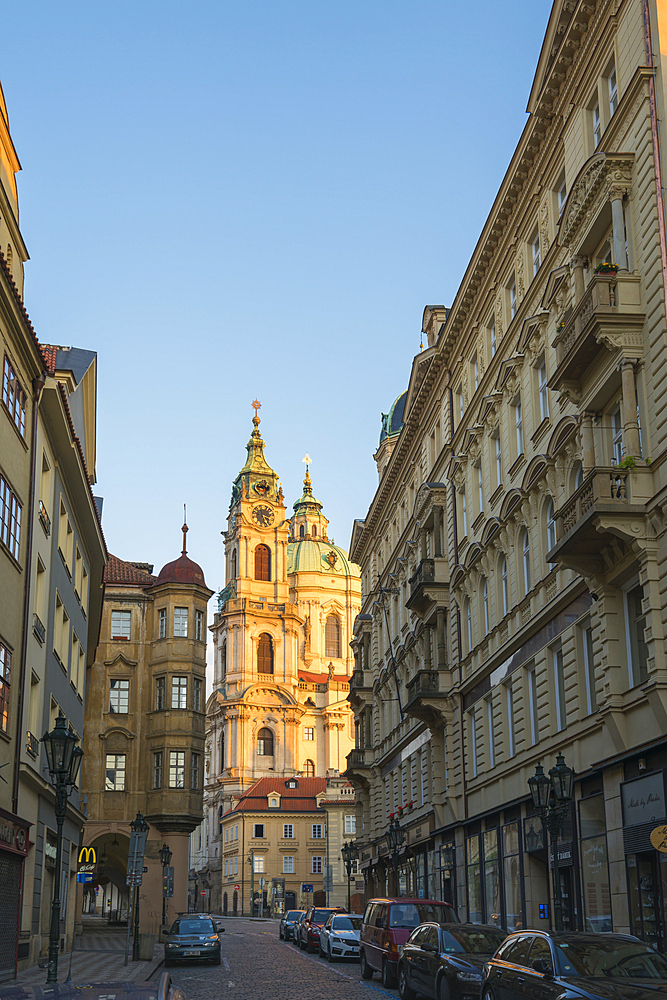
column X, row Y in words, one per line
column 306, row 887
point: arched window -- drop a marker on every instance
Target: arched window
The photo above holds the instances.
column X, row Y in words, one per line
column 223, row 657
column 233, row 564
column 265, row 654
column 504, row 585
column 551, row 526
column 485, row 605
column 332, row 637
column 525, row 547
column 222, row 752
column 265, row 743
column 314, row 531
column 578, row 478
column 469, row 625
column 309, row 769
column 262, row 562
column 302, row 531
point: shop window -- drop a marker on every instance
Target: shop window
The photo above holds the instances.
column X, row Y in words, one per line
column 474, row 880
column 513, row 901
column 595, row 885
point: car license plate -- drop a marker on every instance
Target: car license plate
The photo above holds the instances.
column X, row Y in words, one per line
column 189, row 953
column 353, row 950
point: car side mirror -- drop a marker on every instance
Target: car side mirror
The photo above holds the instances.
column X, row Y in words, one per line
column 544, row 966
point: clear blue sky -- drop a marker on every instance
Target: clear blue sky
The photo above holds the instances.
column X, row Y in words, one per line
column 230, row 200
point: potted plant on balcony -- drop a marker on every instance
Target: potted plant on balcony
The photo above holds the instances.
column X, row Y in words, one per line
column 606, row 268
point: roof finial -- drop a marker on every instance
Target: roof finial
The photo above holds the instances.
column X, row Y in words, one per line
column 256, row 405
column 307, row 460
column 184, row 529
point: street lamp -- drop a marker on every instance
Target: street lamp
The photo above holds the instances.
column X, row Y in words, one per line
column 138, row 825
column 395, row 839
column 165, row 858
column 64, row 762
column 551, row 797
column 350, row 854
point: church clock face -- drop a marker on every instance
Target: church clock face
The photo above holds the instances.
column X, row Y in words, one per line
column 262, row 515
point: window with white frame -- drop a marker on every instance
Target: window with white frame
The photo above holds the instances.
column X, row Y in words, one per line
column 504, row 582
column 542, row 389
column 480, row 487
column 613, row 90
column 492, row 337
column 635, row 624
column 119, row 696
column 617, row 436
column 180, row 621
column 157, row 769
column 121, row 624
column 179, row 692
column 115, row 772
column 535, row 251
column 160, row 686
column 561, row 194
column 196, row 694
column 317, row 831
column 464, row 512
column 288, row 864
column 597, row 124
column 195, row 768
column 513, row 298
column 499, row 459
column 559, row 690
column 199, row 625
column 176, row 769
column 490, row 730
column 288, row 831
column 469, row 624
column 162, row 623
column 316, row 867
column 258, row 866
column 532, row 705
column 589, row 670
column 350, row 825
column 309, row 733
column 525, row 549
column 475, row 372
column 485, row 605
column 518, row 424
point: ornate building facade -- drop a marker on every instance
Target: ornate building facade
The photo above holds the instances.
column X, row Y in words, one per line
column 282, row 655
column 144, row 734
column 518, row 529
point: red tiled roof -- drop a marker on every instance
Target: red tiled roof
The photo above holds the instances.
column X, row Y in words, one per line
column 300, row 799
column 305, row 675
column 119, row 571
column 50, row 353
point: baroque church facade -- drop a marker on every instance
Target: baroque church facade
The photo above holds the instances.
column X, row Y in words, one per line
column 281, row 645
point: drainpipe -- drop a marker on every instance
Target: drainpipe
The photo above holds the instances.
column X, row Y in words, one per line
column 37, row 386
column 656, row 148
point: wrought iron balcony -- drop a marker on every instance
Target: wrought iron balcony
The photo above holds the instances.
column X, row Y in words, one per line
column 32, row 744
column 607, row 317
column 429, row 585
column 38, row 629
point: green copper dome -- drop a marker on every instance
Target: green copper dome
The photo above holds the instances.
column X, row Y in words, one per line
column 392, row 422
column 310, row 555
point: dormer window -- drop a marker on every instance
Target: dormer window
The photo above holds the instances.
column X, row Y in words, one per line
column 274, row 802
column 292, row 783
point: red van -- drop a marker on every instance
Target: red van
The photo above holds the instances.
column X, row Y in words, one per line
column 387, row 925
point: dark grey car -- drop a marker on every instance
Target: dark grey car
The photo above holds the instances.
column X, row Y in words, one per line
column 193, row 938
column 287, row 923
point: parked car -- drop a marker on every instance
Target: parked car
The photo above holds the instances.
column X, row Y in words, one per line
column 591, row 966
column 387, row 925
column 313, row 921
column 287, row 923
column 448, row 961
column 296, row 929
column 339, row 938
column 193, row 937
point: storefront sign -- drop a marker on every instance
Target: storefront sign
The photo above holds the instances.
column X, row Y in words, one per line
column 643, row 799
column 87, row 862
column 564, row 856
column 659, row 838
column 13, row 834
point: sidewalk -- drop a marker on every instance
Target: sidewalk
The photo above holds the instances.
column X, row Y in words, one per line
column 98, row 956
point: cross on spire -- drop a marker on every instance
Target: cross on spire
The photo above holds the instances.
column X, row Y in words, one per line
column 184, row 529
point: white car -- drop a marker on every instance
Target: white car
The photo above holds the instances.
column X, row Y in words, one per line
column 339, row 938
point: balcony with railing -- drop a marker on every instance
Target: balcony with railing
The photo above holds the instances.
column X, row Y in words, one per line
column 429, row 586
column 44, row 518
column 359, row 763
column 32, row 744
column 607, row 317
column 610, row 503
column 426, row 694
column 38, row 628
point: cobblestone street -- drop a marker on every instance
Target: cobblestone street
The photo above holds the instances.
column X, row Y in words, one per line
column 257, row 964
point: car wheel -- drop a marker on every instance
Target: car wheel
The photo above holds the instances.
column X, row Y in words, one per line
column 365, row 969
column 404, row 991
column 387, row 977
column 443, row 989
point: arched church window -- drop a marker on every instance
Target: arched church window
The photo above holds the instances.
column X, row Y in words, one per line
column 262, row 562
column 265, row 743
column 302, row 531
column 265, row 654
column 314, row 531
column 309, row 769
column 233, row 564
column 332, row 637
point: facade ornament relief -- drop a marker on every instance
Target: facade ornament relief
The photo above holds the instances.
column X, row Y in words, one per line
column 519, row 272
column 545, row 242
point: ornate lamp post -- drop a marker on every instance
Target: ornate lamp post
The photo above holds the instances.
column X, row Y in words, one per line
column 350, row 854
column 552, row 797
column 395, row 839
column 138, row 825
column 64, row 763
column 165, row 858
